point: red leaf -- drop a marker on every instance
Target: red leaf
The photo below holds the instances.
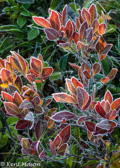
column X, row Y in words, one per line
column 100, row 45
column 115, row 104
column 102, row 28
column 62, row 149
column 89, row 34
column 52, row 147
column 63, row 97
column 51, row 34
column 46, row 72
column 87, row 74
column 18, row 83
column 5, row 75
column 38, row 109
column 74, row 66
column 90, row 126
column 76, row 83
column 96, row 68
column 36, row 64
column 70, row 86
column 106, row 49
column 100, row 110
column 31, row 78
column 60, row 116
column 64, row 15
column 17, row 98
column 57, row 141
column 48, row 101
column 82, row 31
column 7, row 96
column 93, row 12
column 65, row 134
column 81, row 120
column 111, row 115
column 87, row 104
column 36, row 101
column 86, row 15
column 80, row 45
column 26, row 104
column 112, row 73
column 68, row 28
column 106, row 106
column 54, row 20
column 76, row 37
column 41, row 21
column 22, row 124
column 99, row 131
column 104, row 124
column 42, row 155
column 15, row 64
column 11, row 108
column 95, row 25
column 39, row 129
column 30, row 117
column 105, row 80
column 77, row 24
column 82, row 97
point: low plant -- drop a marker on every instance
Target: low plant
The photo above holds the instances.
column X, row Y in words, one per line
column 81, row 133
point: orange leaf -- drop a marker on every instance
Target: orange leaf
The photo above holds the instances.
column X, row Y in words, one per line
column 11, row 108
column 76, row 83
column 115, row 104
column 86, row 15
column 74, row 66
column 36, row 64
column 64, row 15
column 46, row 72
column 7, row 96
column 77, row 24
column 5, row 75
column 106, row 106
column 63, row 97
column 68, row 29
column 102, row 28
column 41, row 21
column 112, row 73
column 95, row 69
column 87, row 74
column 100, row 45
column 54, row 20
column 70, row 86
column 93, row 12
column 76, row 37
column 108, row 96
column 17, row 99
column 80, row 45
column 105, row 80
column 15, row 64
column 57, row 141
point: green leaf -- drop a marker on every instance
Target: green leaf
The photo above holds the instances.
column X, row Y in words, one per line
column 15, row 8
column 115, row 156
column 21, row 21
column 91, row 162
column 6, row 28
column 111, row 28
column 12, row 2
column 3, row 141
column 7, row 9
column 46, row 64
column 0, row 124
column 26, row 1
column 98, row 76
column 115, row 164
column 12, row 120
column 74, row 6
column 55, row 4
column 14, row 132
column 56, row 76
column 63, row 62
column 33, row 33
column 25, row 12
column 106, row 66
